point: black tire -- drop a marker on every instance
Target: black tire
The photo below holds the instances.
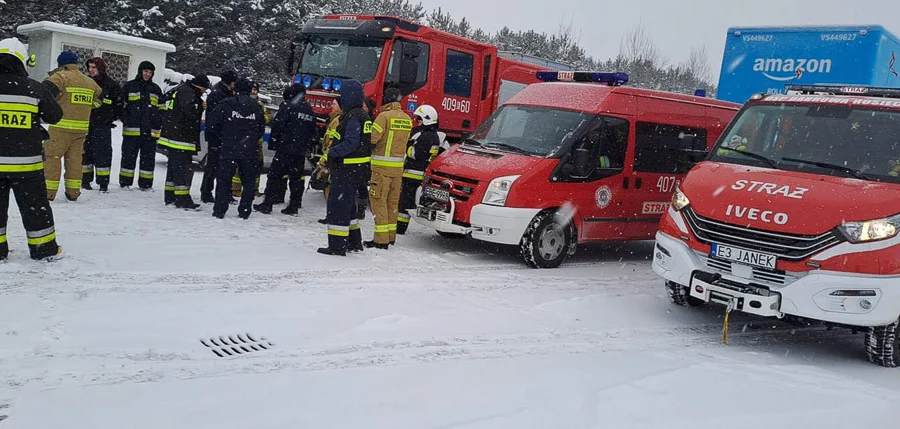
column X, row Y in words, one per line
column 883, row 345
column 547, row 243
column 680, row 295
column 451, row 235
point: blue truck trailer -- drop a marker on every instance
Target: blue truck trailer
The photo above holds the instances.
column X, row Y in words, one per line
column 765, row 59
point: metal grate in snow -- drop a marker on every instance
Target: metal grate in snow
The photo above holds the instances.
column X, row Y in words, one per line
column 234, row 345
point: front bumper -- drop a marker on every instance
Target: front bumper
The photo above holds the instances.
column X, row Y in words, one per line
column 841, row 298
column 502, row 225
column 438, row 220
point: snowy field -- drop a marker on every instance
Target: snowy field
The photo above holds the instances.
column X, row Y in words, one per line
column 434, row 333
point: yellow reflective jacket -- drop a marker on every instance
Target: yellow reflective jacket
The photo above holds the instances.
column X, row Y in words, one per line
column 390, row 133
column 78, row 95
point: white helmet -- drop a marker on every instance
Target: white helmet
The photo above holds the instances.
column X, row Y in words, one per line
column 14, row 47
column 427, row 113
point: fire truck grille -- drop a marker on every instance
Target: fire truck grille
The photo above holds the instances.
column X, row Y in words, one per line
column 789, row 247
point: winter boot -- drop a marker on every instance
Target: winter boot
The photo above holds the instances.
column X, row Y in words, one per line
column 70, row 198
column 356, row 248
column 104, row 189
column 291, row 209
column 323, row 221
column 333, row 252
column 207, row 198
column 87, row 186
column 371, row 244
column 264, row 207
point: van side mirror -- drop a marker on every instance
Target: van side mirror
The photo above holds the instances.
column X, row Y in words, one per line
column 582, row 163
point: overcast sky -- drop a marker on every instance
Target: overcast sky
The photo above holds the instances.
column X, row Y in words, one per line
column 675, row 25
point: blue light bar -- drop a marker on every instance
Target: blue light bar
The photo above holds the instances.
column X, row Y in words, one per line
column 307, row 81
column 297, row 80
column 609, row 78
column 336, row 83
column 326, row 83
column 700, row 92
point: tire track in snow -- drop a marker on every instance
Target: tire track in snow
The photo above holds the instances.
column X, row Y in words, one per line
column 121, row 368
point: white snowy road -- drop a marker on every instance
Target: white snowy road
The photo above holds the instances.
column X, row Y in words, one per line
column 433, row 333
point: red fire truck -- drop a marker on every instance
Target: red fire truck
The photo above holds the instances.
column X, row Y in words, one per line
column 463, row 79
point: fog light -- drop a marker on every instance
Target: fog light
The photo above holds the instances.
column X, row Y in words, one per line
column 698, row 288
column 865, row 304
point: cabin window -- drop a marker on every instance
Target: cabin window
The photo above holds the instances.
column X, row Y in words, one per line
column 658, row 145
column 458, row 77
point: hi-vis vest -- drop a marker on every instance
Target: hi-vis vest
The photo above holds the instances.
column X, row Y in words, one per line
column 78, row 95
column 390, row 133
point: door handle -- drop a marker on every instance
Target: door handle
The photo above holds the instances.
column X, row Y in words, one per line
column 625, row 184
column 637, row 183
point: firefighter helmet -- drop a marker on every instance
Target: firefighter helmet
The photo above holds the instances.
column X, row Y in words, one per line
column 14, row 47
column 428, row 114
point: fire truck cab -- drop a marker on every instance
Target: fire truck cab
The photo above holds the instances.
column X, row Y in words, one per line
column 462, row 78
column 577, row 158
column 796, row 215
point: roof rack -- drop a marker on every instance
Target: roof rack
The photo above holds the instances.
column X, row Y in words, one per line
column 868, row 91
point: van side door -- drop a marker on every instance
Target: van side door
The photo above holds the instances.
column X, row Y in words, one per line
column 658, row 170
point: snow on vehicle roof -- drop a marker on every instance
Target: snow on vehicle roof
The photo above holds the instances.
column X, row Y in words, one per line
column 40, row 26
column 851, row 100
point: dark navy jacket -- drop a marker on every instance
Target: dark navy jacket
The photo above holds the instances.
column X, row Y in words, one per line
column 238, row 123
column 293, row 128
column 348, row 159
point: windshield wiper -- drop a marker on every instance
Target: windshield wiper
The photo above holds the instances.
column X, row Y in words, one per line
column 771, row 162
column 853, row 172
column 473, row 142
column 511, row 148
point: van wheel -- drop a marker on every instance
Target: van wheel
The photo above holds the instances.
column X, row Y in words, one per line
column 451, row 235
column 546, row 243
column 883, row 345
column 680, row 295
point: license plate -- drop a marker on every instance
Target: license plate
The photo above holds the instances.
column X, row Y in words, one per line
column 424, row 213
column 749, row 257
column 437, row 194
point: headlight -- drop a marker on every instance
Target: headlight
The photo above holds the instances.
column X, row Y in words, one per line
column 871, row 230
column 498, row 190
column 679, row 200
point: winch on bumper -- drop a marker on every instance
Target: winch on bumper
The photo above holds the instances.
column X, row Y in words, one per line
column 840, row 298
column 436, row 209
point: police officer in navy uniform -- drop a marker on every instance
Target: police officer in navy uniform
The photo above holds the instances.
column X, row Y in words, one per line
column 293, row 130
column 238, row 123
column 349, row 163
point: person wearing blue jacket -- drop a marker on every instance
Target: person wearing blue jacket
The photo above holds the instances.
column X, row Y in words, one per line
column 349, row 163
column 237, row 123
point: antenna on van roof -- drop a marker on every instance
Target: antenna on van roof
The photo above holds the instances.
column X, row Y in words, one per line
column 609, row 78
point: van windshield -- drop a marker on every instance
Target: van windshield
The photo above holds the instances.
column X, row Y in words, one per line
column 529, row 130
column 836, row 140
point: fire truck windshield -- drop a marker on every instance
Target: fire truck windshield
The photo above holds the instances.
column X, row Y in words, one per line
column 341, row 57
column 530, row 130
column 836, row 140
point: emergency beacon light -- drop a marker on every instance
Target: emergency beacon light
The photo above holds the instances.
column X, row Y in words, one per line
column 609, row 78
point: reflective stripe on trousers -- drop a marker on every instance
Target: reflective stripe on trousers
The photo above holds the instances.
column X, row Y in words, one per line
column 339, row 231
column 36, row 238
column 175, row 144
column 124, row 172
column 2, row 235
column 103, row 171
column 144, row 174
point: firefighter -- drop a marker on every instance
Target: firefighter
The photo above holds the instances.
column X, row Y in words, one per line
column 236, row 179
column 76, row 94
column 98, row 145
column 220, row 91
column 180, row 136
column 281, row 183
column 292, row 134
column 334, row 118
column 348, row 163
column 141, row 123
column 390, row 134
column 427, row 142
column 238, row 123
column 25, row 103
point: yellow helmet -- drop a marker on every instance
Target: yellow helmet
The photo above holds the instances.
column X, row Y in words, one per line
column 14, row 47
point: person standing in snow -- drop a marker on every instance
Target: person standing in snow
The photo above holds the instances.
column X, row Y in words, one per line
column 98, row 145
column 426, row 143
column 141, row 122
column 292, row 135
column 280, row 184
column 348, row 162
column 220, row 91
column 236, row 187
column 181, row 137
column 25, row 102
column 238, row 122
column 76, row 94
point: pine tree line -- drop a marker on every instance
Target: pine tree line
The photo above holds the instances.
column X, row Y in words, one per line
column 253, row 36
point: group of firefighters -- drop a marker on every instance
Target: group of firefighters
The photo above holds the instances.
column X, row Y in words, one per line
column 369, row 155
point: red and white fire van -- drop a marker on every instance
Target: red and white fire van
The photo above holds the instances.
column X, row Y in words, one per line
column 796, row 214
column 576, row 158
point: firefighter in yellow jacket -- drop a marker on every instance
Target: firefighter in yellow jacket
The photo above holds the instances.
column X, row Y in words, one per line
column 390, row 133
column 334, row 118
column 77, row 94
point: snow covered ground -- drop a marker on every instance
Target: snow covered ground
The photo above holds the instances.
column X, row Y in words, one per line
column 434, row 333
